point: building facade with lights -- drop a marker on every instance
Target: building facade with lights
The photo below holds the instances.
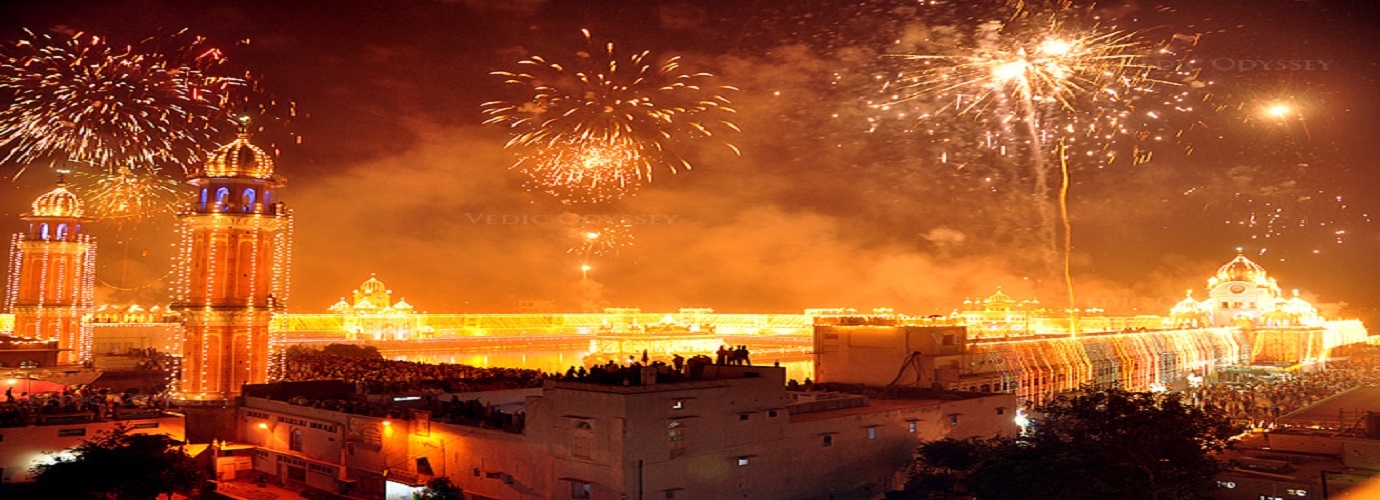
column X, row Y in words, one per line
column 52, row 275
column 234, row 255
column 1244, row 321
column 736, row 432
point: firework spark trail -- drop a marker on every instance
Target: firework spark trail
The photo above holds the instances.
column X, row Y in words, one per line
column 1063, row 83
column 631, row 104
column 157, row 104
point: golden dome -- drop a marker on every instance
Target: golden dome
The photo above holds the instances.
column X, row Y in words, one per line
column 239, row 159
column 1000, row 298
column 1188, row 306
column 1241, row 269
column 58, row 203
column 372, row 286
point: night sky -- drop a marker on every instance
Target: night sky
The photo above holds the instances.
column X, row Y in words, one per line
column 827, row 206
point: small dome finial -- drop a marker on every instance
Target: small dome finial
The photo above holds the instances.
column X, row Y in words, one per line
column 244, row 122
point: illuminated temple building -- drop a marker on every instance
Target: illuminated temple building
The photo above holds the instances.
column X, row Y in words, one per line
column 234, row 264
column 52, row 275
column 371, row 316
column 1244, row 320
column 1001, row 316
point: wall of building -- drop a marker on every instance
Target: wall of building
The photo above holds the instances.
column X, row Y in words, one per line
column 876, row 354
column 731, row 435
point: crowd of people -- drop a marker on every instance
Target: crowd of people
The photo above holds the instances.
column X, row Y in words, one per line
column 473, row 412
column 382, row 376
column 1260, row 400
column 101, row 403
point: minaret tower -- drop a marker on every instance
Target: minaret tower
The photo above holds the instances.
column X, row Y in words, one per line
column 52, row 275
column 236, row 241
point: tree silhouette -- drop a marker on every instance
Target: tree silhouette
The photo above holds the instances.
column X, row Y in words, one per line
column 1103, row 444
column 121, row 465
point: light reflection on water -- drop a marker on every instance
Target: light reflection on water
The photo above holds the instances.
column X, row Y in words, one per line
column 548, row 360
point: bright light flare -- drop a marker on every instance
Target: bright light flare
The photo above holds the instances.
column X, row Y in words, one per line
column 1279, row 110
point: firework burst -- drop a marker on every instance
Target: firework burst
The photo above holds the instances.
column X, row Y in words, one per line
column 1035, row 79
column 1045, row 87
column 589, row 171
column 600, row 236
column 155, row 104
column 629, row 104
column 126, row 195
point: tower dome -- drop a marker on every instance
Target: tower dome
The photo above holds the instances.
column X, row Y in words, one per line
column 1241, row 269
column 58, row 203
column 239, row 158
column 372, row 286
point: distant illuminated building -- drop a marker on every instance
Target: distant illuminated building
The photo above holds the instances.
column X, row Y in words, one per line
column 1001, row 316
column 117, row 330
column 1244, row 321
column 234, row 265
column 1239, row 292
column 374, row 316
column 52, row 275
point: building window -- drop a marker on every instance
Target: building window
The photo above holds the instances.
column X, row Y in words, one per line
column 910, row 426
column 675, row 439
column 581, row 491
column 28, row 363
column 582, row 438
column 80, row 431
column 678, row 405
column 1001, row 411
column 828, row 440
column 298, row 474
column 953, row 419
column 771, row 413
column 742, row 416
column 295, row 440
column 742, row 461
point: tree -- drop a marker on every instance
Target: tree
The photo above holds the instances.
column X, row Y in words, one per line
column 121, row 465
column 1103, row 444
column 441, row 489
column 1138, row 444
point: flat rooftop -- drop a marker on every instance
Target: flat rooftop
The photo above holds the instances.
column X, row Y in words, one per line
column 1340, row 409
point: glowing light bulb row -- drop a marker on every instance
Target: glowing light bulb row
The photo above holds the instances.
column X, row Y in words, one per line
column 16, row 256
column 86, row 299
